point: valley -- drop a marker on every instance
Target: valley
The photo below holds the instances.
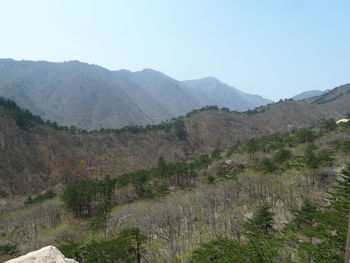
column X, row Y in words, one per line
column 180, row 183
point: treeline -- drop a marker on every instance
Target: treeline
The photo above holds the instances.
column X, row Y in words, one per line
column 127, row 247
column 317, row 233
column 277, row 141
column 82, row 198
column 25, row 119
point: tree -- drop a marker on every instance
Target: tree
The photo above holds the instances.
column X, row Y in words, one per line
column 215, row 155
column 135, row 239
column 305, row 135
column 310, row 158
column 261, row 224
column 333, row 221
column 328, row 125
column 100, row 218
column 325, row 157
column 224, row 250
column 78, row 197
column 180, row 129
column 126, row 248
column 221, row 250
column 282, row 155
column 252, row 147
column 267, row 166
column 162, row 169
column 301, row 231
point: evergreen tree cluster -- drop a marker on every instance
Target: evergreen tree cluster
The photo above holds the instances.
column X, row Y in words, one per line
column 316, row 234
column 127, row 247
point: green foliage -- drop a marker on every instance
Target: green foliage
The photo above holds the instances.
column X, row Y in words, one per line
column 81, row 197
column 261, row 223
column 327, row 225
column 325, row 157
column 313, row 160
column 224, row 172
column 305, row 136
column 310, row 157
column 252, row 146
column 268, row 143
column 100, row 217
column 10, row 250
column 23, row 118
column 126, row 248
column 202, row 162
column 328, row 125
column 206, row 108
column 224, row 250
column 334, row 219
column 267, row 166
column 301, row 230
column 49, row 194
column 180, row 131
column 325, row 98
column 282, row 155
column 71, row 250
column 215, row 155
column 210, row 179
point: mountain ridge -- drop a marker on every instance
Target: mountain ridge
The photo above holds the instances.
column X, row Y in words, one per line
column 91, row 97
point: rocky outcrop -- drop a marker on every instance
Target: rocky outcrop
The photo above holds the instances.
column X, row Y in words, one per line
column 47, row 254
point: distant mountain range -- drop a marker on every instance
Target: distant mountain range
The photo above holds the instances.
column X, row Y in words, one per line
column 92, row 97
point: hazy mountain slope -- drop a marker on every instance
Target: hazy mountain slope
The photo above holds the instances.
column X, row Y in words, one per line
column 170, row 94
column 91, row 97
column 308, row 94
column 211, row 91
column 70, row 93
column 37, row 158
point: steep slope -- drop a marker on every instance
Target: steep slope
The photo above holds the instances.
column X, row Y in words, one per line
column 308, row 94
column 91, row 97
column 171, row 95
column 70, row 93
column 38, row 157
column 211, row 91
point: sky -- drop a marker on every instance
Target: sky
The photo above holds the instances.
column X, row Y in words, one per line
column 274, row 48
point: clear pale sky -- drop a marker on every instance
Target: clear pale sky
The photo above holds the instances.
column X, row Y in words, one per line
column 275, row 48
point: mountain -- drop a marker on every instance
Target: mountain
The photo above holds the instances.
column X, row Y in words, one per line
column 308, row 94
column 211, row 91
column 187, row 198
column 35, row 156
column 165, row 97
column 91, row 97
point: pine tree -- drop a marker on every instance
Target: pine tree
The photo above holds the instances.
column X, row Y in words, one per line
column 301, row 231
column 261, row 224
column 259, row 230
column 332, row 226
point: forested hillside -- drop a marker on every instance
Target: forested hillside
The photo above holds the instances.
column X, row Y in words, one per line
column 265, row 199
column 37, row 155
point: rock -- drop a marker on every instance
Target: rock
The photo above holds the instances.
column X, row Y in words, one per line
column 342, row 121
column 47, row 254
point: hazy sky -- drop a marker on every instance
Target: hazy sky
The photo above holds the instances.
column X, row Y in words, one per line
column 272, row 48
